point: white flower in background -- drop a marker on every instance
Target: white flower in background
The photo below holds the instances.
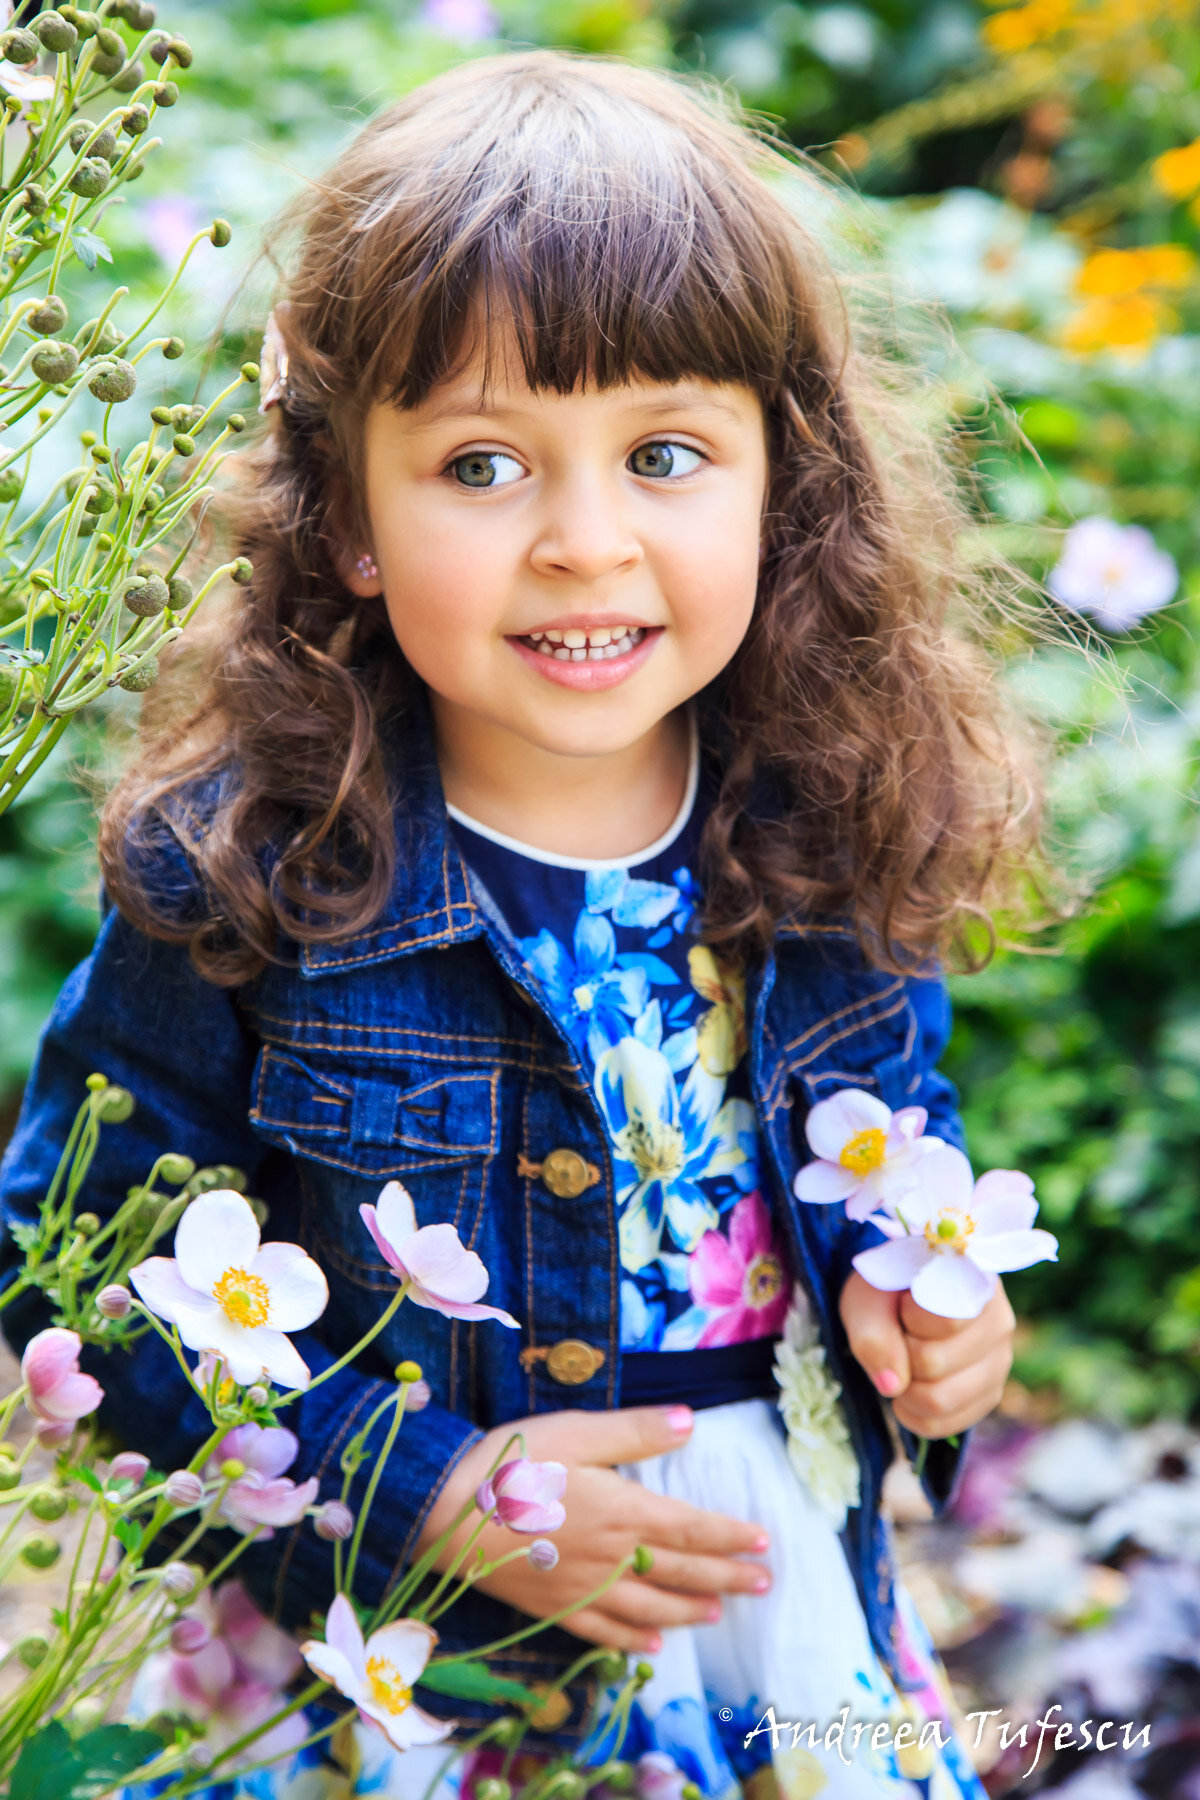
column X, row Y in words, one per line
column 378, row 1675
column 955, row 1235
column 867, row 1154
column 231, row 1296
column 1114, row 573
column 818, row 1441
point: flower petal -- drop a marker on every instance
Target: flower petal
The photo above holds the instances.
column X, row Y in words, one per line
column 461, row 1309
column 832, row 1123
column 298, row 1290
column 71, row 1398
column 269, row 1449
column 370, row 1219
column 158, row 1282
column 440, row 1263
column 396, row 1213
column 907, row 1126
column 893, row 1265
column 280, row 1502
column 344, row 1633
column 217, row 1232
column 822, row 1182
column 332, row 1666
column 407, row 1645
column 942, row 1177
column 1003, row 1250
column 953, row 1287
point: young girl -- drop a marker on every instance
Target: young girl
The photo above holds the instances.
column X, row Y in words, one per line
column 582, row 788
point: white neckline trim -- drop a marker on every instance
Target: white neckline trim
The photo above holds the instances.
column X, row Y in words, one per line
column 592, row 862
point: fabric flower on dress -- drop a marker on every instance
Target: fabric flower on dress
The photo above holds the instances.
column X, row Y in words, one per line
column 444, row 1275
column 227, row 1294
column 954, row 1235
column 58, row 1390
column 740, row 1277
column 261, row 1498
column 378, row 1675
column 721, row 1031
column 666, row 1141
column 593, row 996
column 818, row 1439
column 527, row 1495
column 866, row 1153
column 1115, row 573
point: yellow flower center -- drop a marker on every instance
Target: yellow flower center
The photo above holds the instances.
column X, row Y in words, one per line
column 243, row 1298
column 656, row 1148
column 865, row 1151
column 764, row 1278
column 387, row 1688
column 949, row 1231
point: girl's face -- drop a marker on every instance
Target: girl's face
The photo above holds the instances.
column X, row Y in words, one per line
column 563, row 571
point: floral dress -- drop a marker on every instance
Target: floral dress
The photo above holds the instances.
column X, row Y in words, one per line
column 658, row 1023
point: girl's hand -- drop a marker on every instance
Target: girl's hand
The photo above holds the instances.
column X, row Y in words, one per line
column 941, row 1375
column 608, row 1515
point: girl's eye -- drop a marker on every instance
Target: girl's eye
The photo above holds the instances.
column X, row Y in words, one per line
column 662, row 458
column 486, row 468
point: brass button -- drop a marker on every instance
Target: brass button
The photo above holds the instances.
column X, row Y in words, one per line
column 551, row 1708
column 567, row 1174
column 572, row 1361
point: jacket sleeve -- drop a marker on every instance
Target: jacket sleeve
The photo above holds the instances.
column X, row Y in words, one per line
column 930, row 1002
column 137, row 1011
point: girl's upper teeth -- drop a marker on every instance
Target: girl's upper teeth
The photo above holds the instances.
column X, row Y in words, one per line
column 575, row 646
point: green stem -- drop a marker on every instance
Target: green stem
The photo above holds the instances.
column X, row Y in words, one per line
column 373, row 1484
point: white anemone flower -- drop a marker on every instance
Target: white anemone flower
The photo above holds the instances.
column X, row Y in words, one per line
column 956, row 1235
column 867, row 1154
column 231, row 1296
column 379, row 1675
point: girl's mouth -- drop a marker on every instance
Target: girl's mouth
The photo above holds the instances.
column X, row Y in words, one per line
column 590, row 660
column 585, row 646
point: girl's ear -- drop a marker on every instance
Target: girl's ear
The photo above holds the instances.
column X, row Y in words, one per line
column 360, row 573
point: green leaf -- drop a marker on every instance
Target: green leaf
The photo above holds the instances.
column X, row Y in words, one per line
column 90, row 1479
column 88, row 247
column 129, row 1533
column 24, row 1235
column 109, row 1752
column 475, row 1681
column 47, row 1768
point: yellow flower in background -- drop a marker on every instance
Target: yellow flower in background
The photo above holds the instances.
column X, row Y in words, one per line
column 1177, row 172
column 721, row 1031
column 1121, row 310
column 1127, row 323
column 1020, row 27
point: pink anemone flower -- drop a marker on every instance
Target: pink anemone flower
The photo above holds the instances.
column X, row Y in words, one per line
column 866, row 1154
column 445, row 1275
column 527, row 1495
column 261, row 1498
column 741, row 1275
column 58, row 1391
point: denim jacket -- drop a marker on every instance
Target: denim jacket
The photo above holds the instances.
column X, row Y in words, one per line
column 420, row 1050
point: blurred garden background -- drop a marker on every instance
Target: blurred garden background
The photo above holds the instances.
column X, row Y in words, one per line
column 1032, row 174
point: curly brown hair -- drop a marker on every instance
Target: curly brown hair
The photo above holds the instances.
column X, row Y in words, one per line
column 624, row 224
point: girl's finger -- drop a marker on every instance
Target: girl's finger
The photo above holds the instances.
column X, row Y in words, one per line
column 939, row 1409
column 707, row 1574
column 616, row 1634
column 650, row 1608
column 677, row 1525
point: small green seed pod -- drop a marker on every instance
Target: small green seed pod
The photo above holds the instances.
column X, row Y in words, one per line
column 54, row 361
column 103, row 64
column 78, row 136
column 135, row 120
column 87, row 24
column 131, row 77
column 136, row 681
column 49, row 314
column 236, row 422
column 48, row 1507
column 102, row 498
column 32, row 1650
column 174, row 348
column 111, row 42
column 100, row 453
column 33, row 199
column 619, row 1776
column 11, row 484
column 220, row 233
column 116, row 1106
column 87, row 1224
column 643, row 1560
column 182, row 51
column 249, row 371
column 106, row 145
column 176, row 1168
column 108, row 339
column 40, row 1551
column 493, row 1787
column 180, row 590
column 146, row 598
column 242, row 571
column 142, row 16
column 114, row 380
column 19, row 47
column 184, row 445
column 161, row 415
column 165, row 93
column 90, row 178
column 56, row 33
column 10, row 1475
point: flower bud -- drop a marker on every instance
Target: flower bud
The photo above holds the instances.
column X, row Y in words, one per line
column 542, row 1554
column 418, row 1397
column 10, row 1475
column 90, row 178
column 334, row 1522
column 107, row 336
column 19, row 47
column 220, row 233
column 103, row 64
column 174, row 1167
column 177, row 47
column 87, row 1224
column 141, row 15
column 643, row 1560
column 183, row 1488
column 173, row 349
column 179, row 1579
column 131, row 77
column 32, row 1650
column 100, row 452
column 493, row 1787
column 129, row 1465
column 619, row 1776
column 54, row 361
column 52, row 1433
column 147, row 597
column 104, row 143
column 567, row 1784
column 114, row 1301
column 48, row 1506
column 40, row 1551
column 232, row 1469
column 96, row 1083
column 189, row 1635
column 11, row 484
column 161, row 415
column 242, row 571
column 200, row 1755
column 643, row 1672
column 135, row 120
column 408, row 1371
column 33, row 198
column 111, row 42
column 610, row 1667
column 165, row 93
column 507, row 1732
column 180, row 590
column 56, row 33
column 183, row 444
column 236, row 422
column 689, row 1791
column 113, row 380
column 49, row 314
column 102, row 497
column 257, row 1395
column 249, row 371
column 116, row 1106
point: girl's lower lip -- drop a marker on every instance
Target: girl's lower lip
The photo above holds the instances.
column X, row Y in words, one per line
column 589, row 677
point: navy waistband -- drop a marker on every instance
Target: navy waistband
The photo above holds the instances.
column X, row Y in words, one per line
column 699, row 1378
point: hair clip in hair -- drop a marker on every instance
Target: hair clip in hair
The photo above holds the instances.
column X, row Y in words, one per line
column 367, row 567
column 273, row 365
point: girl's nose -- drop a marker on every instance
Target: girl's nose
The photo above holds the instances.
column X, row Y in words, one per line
column 585, row 532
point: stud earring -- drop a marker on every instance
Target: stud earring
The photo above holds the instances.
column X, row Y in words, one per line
column 367, row 567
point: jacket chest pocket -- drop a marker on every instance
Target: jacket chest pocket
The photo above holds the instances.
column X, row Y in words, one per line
column 377, row 1128
column 879, row 1056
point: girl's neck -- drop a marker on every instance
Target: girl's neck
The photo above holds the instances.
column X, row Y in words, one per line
column 604, row 807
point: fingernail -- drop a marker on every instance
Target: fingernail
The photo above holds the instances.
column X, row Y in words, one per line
column 761, row 1541
column 761, row 1585
column 680, row 1419
column 654, row 1644
column 713, row 1614
column 887, row 1381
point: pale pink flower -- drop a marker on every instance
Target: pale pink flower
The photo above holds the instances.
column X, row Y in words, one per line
column 1116, row 573
column 866, row 1153
column 380, row 1674
column 53, row 1433
column 261, row 1498
column 658, row 1776
column 463, row 21
column 445, row 1275
column 227, row 1293
column 527, row 1495
column 543, row 1554
column 58, row 1391
column 741, row 1275
column 954, row 1235
column 128, row 1465
column 23, row 84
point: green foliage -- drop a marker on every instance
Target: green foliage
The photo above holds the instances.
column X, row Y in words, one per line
column 53, row 1766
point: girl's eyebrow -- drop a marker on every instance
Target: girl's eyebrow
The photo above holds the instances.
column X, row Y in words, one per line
column 456, row 406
